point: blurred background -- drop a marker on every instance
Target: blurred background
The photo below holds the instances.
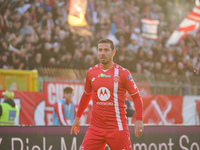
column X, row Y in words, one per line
column 48, row 44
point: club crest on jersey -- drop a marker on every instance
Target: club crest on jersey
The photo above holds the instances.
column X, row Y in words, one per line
column 104, row 75
column 116, row 79
column 103, row 93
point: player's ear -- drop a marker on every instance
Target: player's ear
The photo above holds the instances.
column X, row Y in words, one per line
column 114, row 51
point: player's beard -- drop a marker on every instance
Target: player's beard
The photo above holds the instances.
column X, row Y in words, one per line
column 105, row 61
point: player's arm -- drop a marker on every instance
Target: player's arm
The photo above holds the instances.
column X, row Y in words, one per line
column 60, row 112
column 139, row 128
column 85, row 99
column 138, row 103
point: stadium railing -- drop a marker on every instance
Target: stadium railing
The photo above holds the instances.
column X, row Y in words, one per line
column 156, row 83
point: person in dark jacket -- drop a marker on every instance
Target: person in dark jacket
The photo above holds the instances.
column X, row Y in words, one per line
column 129, row 110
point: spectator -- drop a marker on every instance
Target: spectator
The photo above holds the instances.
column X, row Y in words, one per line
column 47, row 53
column 66, row 60
column 36, row 61
column 4, row 63
column 4, row 47
column 16, row 60
column 190, row 70
column 178, row 54
column 23, row 7
column 46, row 5
column 32, row 14
column 149, row 62
column 26, row 28
column 140, row 59
column 64, row 110
column 195, row 56
column 48, row 22
column 129, row 111
column 77, row 58
column 16, row 27
column 38, row 22
column 130, row 63
column 197, row 67
column 56, row 33
column 22, row 65
column 180, row 68
column 164, row 64
column 47, row 38
column 88, row 61
column 40, row 14
column 136, row 36
column 157, row 68
column 4, row 23
column 52, row 63
column 121, row 59
column 133, row 46
column 157, row 49
column 62, row 40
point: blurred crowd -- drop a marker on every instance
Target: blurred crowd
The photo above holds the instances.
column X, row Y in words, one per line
column 36, row 33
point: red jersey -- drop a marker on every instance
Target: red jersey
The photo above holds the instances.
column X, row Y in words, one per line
column 109, row 88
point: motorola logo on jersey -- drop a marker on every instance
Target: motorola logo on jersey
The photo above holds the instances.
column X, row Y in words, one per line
column 103, row 93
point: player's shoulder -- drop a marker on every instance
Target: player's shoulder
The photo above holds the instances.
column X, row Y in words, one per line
column 93, row 68
column 122, row 69
column 123, row 72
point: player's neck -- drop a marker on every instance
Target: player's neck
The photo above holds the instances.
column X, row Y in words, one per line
column 106, row 66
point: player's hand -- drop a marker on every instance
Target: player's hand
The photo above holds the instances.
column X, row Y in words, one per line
column 75, row 126
column 139, row 128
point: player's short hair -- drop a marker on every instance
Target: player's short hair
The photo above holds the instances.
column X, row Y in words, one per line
column 112, row 45
column 68, row 89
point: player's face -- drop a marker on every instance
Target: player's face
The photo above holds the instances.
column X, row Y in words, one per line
column 105, row 53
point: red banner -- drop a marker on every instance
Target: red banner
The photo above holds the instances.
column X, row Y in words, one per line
column 31, row 107
column 36, row 108
column 162, row 109
column 144, row 88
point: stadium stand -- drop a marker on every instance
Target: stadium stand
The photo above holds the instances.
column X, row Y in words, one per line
column 35, row 34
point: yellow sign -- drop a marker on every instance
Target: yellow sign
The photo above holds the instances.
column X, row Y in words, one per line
column 18, row 80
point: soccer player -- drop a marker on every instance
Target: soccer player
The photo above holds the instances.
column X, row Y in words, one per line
column 107, row 84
